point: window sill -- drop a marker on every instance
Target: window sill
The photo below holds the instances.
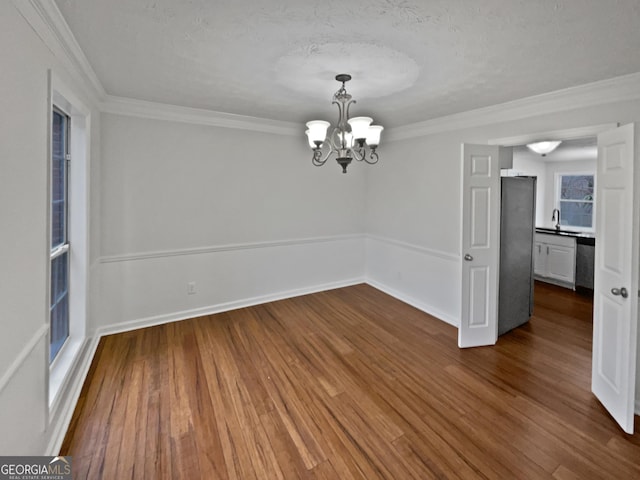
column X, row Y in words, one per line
column 59, row 372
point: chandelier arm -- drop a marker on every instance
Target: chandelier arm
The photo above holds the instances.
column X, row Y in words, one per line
column 359, row 153
column 318, row 159
column 373, row 156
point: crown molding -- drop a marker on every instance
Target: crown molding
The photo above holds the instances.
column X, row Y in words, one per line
column 45, row 19
column 200, row 116
column 618, row 89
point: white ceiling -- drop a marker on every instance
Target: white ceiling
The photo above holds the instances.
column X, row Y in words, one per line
column 411, row 60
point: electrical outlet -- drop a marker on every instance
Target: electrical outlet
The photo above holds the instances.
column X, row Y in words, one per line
column 191, row 288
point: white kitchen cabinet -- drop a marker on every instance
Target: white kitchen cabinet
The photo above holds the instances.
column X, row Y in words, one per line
column 555, row 259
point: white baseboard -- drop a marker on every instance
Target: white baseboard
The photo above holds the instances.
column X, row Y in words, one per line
column 222, row 307
column 414, row 303
column 67, row 404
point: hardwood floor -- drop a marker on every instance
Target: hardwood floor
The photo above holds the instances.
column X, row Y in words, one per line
column 349, row 383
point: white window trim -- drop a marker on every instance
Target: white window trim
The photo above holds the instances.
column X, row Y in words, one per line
column 556, row 198
column 59, row 371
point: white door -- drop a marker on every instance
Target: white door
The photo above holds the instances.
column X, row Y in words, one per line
column 615, row 309
column 480, row 245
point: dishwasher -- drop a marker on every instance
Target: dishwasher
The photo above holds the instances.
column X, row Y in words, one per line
column 585, row 253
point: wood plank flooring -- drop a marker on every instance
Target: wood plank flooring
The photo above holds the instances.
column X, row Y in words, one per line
column 348, row 384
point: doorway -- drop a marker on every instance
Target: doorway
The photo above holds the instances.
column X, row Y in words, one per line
column 616, row 262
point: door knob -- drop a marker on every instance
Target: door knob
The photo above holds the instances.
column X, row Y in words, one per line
column 620, row 291
column 468, row 257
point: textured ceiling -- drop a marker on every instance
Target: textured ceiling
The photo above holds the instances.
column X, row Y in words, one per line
column 411, row 60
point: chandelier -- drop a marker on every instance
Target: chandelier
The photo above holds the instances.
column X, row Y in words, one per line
column 352, row 138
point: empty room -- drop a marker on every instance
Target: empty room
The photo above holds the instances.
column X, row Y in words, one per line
column 386, row 239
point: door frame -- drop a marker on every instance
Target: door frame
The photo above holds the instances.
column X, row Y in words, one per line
column 566, row 134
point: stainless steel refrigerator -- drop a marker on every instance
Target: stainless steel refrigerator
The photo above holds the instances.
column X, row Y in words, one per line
column 517, row 240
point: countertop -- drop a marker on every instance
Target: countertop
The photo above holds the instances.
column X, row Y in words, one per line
column 581, row 237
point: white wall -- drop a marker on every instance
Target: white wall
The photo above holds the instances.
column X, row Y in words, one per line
column 26, row 425
column 536, row 168
column 243, row 214
column 412, row 223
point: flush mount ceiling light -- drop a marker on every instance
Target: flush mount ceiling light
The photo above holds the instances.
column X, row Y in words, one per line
column 352, row 138
column 542, row 148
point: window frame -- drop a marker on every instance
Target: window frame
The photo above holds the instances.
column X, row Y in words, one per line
column 62, row 374
column 558, row 200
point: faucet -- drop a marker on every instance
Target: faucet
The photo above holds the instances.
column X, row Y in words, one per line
column 556, row 219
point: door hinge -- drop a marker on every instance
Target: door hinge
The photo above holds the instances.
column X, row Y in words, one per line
column 67, row 157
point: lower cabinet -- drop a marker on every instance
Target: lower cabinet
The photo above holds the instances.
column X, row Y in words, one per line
column 555, row 259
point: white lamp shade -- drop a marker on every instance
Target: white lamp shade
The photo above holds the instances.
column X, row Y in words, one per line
column 317, row 131
column 373, row 135
column 360, row 126
column 311, row 144
column 542, row 148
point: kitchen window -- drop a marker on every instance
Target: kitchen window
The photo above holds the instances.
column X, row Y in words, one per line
column 574, row 199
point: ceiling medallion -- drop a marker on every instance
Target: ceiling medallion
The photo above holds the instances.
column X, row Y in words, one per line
column 352, row 138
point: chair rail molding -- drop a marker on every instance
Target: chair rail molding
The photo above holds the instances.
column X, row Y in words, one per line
column 23, row 355
column 454, row 257
column 227, row 248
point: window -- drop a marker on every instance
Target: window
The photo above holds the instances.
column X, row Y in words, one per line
column 59, row 303
column 575, row 200
column 69, row 134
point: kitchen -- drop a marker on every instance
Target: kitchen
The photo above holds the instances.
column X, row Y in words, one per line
column 564, row 244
